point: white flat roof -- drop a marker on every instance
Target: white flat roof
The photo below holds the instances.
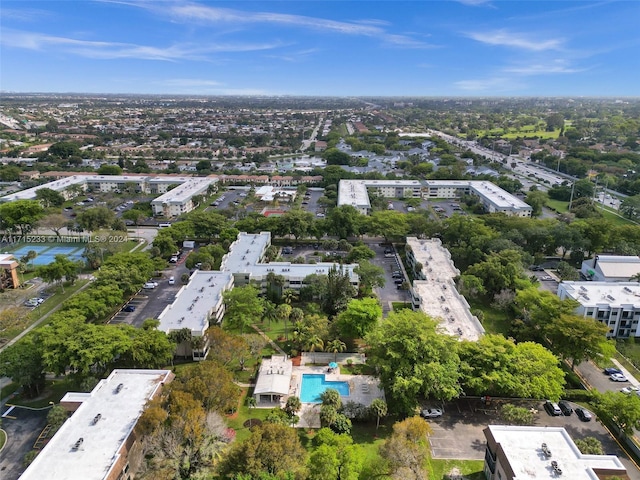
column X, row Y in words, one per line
column 195, row 301
column 440, row 300
column 618, row 266
column 522, row 447
column 435, row 259
column 354, row 193
column 245, row 251
column 102, row 439
column 602, row 294
column 57, row 185
column 184, row 192
column 274, row 376
column 499, row 197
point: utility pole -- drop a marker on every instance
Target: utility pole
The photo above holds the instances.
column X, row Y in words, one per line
column 573, row 186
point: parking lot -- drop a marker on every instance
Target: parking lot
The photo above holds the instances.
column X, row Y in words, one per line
column 458, row 433
column 23, row 426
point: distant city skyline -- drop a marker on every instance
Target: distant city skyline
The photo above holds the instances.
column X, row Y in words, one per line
column 323, row 48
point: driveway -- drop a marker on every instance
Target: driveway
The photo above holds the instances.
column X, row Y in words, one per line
column 458, row 433
column 22, row 432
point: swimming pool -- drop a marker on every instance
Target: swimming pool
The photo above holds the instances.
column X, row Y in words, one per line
column 314, row 384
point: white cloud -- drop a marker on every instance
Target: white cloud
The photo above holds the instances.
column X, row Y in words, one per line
column 193, row 12
column 117, row 50
column 505, row 38
column 491, row 85
column 557, row 66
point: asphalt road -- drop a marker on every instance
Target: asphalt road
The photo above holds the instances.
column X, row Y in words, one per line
column 22, row 432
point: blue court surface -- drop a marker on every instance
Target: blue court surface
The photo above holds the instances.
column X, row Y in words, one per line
column 46, row 255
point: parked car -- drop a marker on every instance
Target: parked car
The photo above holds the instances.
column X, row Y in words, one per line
column 398, row 281
column 172, row 280
column 618, row 377
column 536, row 268
column 584, row 415
column 129, row 308
column 173, row 259
column 629, row 390
column 150, row 285
column 287, row 250
column 565, row 407
column 431, row 413
column 611, row 371
column 552, row 408
column 34, row 302
column 389, row 255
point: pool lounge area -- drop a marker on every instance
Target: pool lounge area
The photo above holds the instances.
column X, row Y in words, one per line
column 314, row 384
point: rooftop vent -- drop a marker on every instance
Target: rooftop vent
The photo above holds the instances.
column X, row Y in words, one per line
column 78, row 444
column 96, row 419
column 119, row 387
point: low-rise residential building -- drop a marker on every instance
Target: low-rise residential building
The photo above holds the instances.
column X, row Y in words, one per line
column 516, row 452
column 197, row 306
column 273, row 381
column 98, row 441
column 610, row 268
column 617, row 305
column 180, row 200
column 493, row 198
column 434, row 290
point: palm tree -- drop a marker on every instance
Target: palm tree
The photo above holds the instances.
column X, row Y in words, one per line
column 270, row 312
column 378, row 409
column 251, row 403
column 289, row 295
column 312, row 343
column 336, row 346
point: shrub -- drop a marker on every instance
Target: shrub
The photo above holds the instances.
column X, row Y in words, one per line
column 578, row 395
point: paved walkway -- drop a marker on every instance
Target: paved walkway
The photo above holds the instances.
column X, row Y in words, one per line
column 275, row 346
column 626, row 373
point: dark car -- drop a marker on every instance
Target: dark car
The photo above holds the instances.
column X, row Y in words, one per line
column 398, row 281
column 611, row 371
column 584, row 415
column 565, row 407
column 536, row 268
column 129, row 308
column 552, row 408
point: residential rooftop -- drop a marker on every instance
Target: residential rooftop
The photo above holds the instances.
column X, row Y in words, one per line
column 522, row 448
column 195, row 301
column 435, row 259
column 592, row 294
column 182, row 193
column 354, row 193
column 90, row 443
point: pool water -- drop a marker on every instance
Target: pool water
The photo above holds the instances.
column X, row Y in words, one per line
column 313, row 385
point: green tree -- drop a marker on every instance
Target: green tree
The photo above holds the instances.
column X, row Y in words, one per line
column 413, row 359
column 20, row 215
column 335, row 346
column 283, row 312
column 577, row 338
column 271, row 448
column 500, row 271
column 243, row 307
column 407, row 449
column 359, row 253
column 345, row 221
column 95, row 218
column 378, row 409
column 336, row 290
column 56, row 417
column 496, row 366
column 22, row 362
column 388, row 224
column 293, row 406
column 49, row 197
column 536, row 199
column 359, row 318
column 589, row 446
column 335, row 457
column 516, row 415
column 623, row 409
column 61, row 268
column 371, row 276
column 106, row 169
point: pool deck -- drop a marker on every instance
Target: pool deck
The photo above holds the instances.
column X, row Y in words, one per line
column 362, row 389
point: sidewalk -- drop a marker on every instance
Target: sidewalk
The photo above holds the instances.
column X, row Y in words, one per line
column 632, row 380
column 275, row 346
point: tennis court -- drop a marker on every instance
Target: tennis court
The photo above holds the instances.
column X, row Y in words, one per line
column 46, row 254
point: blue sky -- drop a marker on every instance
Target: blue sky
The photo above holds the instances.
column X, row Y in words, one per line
column 305, row 47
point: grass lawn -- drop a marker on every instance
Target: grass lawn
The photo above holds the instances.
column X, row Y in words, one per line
column 3, row 438
column 236, row 421
column 614, row 218
column 8, row 390
column 401, row 306
column 54, row 390
column 370, row 439
column 471, row 469
column 494, row 321
column 558, row 205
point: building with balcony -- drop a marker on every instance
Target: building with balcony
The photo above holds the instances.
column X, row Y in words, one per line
column 516, row 453
column 617, row 305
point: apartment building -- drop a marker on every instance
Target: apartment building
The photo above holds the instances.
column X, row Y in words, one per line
column 197, row 306
column 434, row 290
column 180, row 199
column 617, row 305
column 493, row 198
column 98, row 441
column 516, row 452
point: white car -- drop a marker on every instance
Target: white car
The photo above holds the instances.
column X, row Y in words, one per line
column 150, row 285
column 172, row 280
column 629, row 390
column 618, row 377
column 431, row 413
